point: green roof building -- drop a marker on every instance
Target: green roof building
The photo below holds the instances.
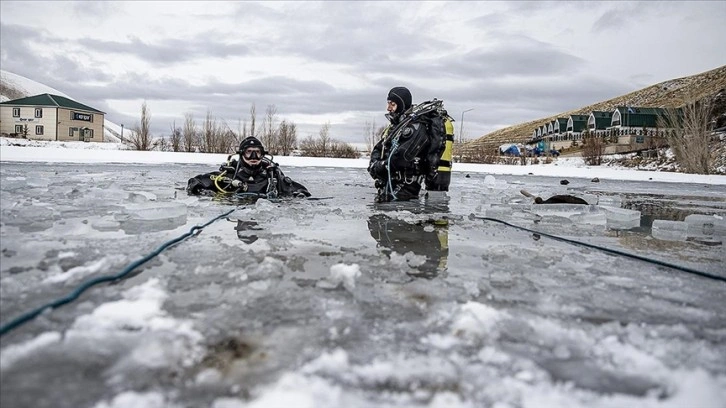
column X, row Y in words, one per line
column 51, row 117
column 599, row 120
column 630, row 117
column 576, row 124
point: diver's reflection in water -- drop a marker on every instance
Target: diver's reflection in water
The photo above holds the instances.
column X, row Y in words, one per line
column 428, row 237
column 246, row 231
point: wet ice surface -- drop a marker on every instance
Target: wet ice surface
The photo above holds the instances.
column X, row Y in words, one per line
column 340, row 302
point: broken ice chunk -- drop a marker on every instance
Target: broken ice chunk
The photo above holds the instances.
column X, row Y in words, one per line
column 700, row 225
column 622, row 218
column 152, row 216
column 610, row 201
column 669, row 230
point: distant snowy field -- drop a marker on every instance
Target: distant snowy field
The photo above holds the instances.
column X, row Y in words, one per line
column 90, row 152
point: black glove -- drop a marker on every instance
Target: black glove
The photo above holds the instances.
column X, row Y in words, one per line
column 193, row 186
column 227, row 169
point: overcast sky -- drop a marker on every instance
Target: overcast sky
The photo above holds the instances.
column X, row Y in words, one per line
column 509, row 62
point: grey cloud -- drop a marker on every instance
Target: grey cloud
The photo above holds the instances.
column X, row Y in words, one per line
column 490, row 21
column 93, row 9
column 514, row 60
column 497, row 104
column 610, row 20
column 60, row 72
column 168, row 51
column 230, row 102
column 623, row 14
column 247, row 12
column 362, row 37
column 519, row 56
column 16, row 51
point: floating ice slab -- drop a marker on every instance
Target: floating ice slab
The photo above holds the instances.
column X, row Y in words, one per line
column 152, row 216
column 499, row 212
column 591, row 199
column 621, row 214
column 700, row 225
column 141, row 196
column 590, row 218
column 106, row 225
column 610, row 201
column 621, row 218
column 560, row 210
column 669, row 230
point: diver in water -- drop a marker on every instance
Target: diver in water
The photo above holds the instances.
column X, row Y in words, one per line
column 409, row 150
column 252, row 174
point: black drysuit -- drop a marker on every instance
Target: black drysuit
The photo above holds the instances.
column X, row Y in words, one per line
column 237, row 177
column 408, row 152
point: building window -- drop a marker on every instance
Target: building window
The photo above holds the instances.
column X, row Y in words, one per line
column 39, row 129
column 71, row 131
column 38, row 112
column 16, row 112
column 18, row 128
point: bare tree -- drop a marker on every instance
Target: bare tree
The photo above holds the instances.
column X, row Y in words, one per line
column 210, row 140
column 175, row 138
column 324, row 146
column 370, row 135
column 287, row 137
column 161, row 144
column 310, row 147
column 324, row 138
column 593, row 148
column 253, row 119
column 189, row 133
column 241, row 130
column 342, row 150
column 269, row 132
column 227, row 138
column 688, row 132
column 141, row 136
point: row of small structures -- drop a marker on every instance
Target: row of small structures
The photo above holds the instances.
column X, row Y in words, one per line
column 632, row 126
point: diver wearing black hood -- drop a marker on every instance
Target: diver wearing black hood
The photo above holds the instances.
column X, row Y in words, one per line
column 252, row 174
column 404, row 156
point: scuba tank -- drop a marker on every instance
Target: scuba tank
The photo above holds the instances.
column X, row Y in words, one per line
column 443, row 178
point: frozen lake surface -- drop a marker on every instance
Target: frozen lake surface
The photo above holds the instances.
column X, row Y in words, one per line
column 340, row 302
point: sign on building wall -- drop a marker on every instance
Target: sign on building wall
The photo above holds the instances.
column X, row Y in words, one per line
column 82, row 116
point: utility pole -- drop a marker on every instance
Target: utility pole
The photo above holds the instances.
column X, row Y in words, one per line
column 461, row 127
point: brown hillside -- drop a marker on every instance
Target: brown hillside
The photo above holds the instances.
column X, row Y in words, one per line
column 663, row 95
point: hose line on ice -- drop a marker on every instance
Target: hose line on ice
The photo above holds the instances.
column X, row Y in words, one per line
column 28, row 316
column 612, row 251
